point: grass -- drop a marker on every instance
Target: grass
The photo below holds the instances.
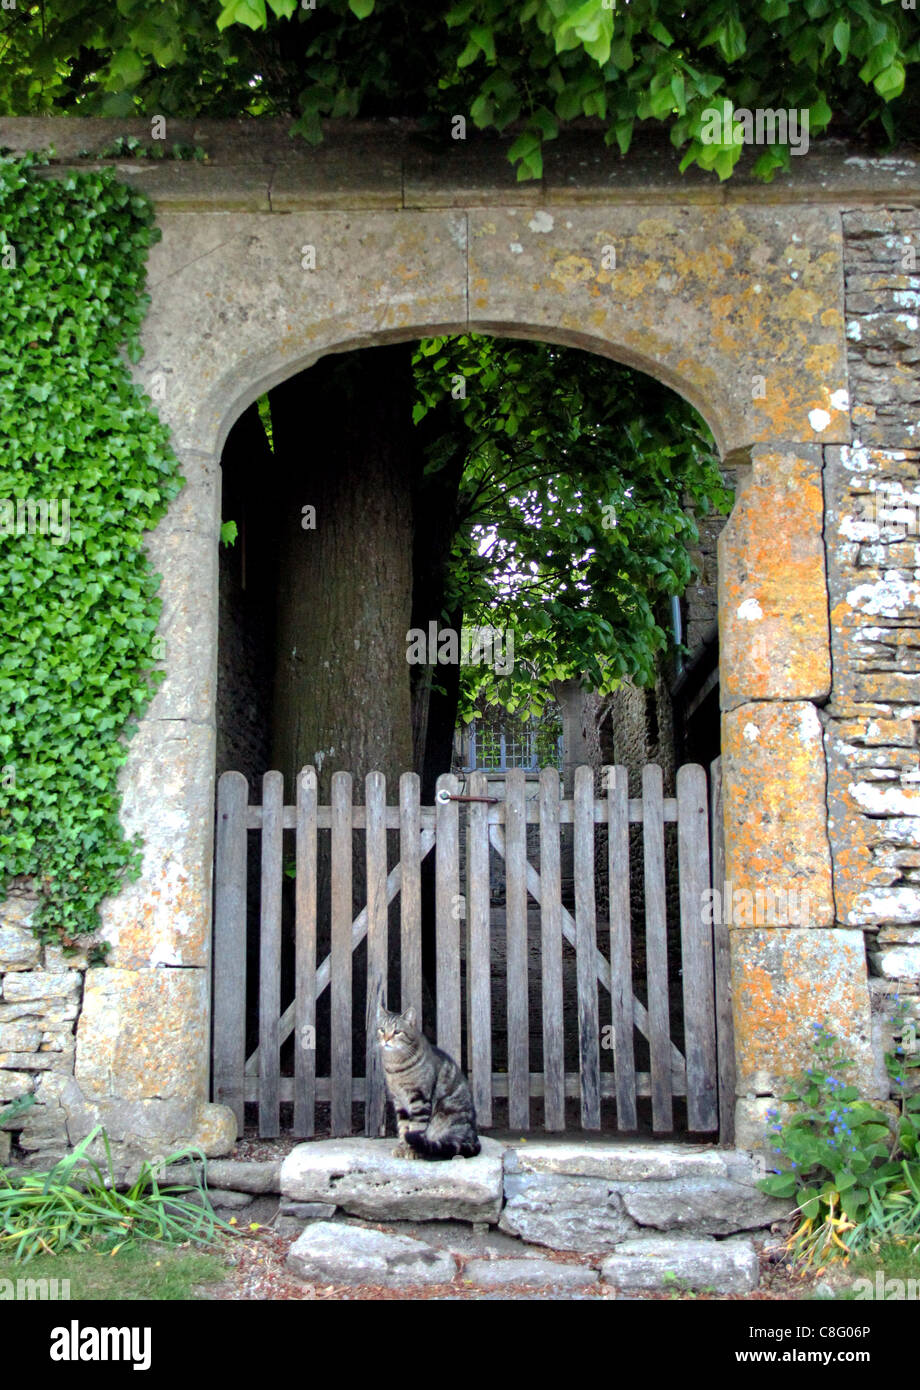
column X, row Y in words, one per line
column 150, row 1271
column 894, row 1258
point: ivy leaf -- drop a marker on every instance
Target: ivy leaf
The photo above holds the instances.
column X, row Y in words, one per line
column 361, row 8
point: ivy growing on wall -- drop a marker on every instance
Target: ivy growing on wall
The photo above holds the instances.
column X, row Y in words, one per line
column 85, row 470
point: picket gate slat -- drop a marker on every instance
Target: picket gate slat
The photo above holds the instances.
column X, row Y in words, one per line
column 229, row 1008
column 375, row 800
column 305, row 957
column 551, row 953
column 585, row 946
column 621, row 996
column 340, row 956
column 410, row 894
column 696, row 950
column 447, row 918
column 270, row 957
column 470, row 920
column 725, row 1038
column 656, row 948
column 478, row 958
column 516, row 952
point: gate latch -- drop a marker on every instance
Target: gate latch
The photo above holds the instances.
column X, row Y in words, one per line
column 444, row 796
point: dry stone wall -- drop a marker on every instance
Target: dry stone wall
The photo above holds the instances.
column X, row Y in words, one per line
column 872, row 726
column 41, row 990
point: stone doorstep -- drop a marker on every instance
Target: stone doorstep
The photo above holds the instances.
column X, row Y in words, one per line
column 363, row 1178
column 602, row 1200
column 339, row 1252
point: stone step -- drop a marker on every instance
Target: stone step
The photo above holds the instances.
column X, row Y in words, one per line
column 363, row 1178
column 499, row 1274
column 565, row 1195
column 663, row 1262
column 330, row 1252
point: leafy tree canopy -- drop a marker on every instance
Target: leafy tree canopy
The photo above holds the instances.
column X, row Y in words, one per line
column 533, row 64
column 573, row 521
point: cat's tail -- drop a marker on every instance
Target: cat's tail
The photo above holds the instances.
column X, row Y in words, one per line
column 441, row 1148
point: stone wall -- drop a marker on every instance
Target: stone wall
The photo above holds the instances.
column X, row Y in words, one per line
column 872, row 722
column 716, row 288
column 41, row 991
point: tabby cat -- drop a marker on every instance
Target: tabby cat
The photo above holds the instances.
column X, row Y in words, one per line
column 434, row 1109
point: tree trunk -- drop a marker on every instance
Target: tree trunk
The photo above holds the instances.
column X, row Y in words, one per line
column 342, row 688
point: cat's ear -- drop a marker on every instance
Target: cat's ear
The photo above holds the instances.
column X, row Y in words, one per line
column 411, row 1016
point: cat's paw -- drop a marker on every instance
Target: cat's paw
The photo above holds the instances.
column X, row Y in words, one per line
column 402, row 1151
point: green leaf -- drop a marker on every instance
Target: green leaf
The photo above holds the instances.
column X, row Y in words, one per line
column 890, row 82
column 841, row 38
column 251, row 13
column 780, row 1185
column 127, row 67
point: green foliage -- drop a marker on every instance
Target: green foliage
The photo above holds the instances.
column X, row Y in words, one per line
column 539, row 63
column 131, row 147
column 76, row 1205
column 853, row 1174
column 78, row 609
column 572, row 523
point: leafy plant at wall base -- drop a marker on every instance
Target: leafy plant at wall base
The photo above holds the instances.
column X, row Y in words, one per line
column 77, row 1205
column 78, row 603
column 847, row 1167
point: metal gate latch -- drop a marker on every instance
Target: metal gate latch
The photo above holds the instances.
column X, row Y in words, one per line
column 444, row 796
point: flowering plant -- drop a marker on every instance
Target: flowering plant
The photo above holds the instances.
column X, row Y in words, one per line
column 842, row 1157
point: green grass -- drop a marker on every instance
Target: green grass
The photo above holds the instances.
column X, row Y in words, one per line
column 151, row 1271
column 894, row 1258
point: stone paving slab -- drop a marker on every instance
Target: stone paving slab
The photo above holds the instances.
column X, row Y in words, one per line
column 334, row 1253
column 629, row 1162
column 496, row 1274
column 564, row 1213
column 659, row 1262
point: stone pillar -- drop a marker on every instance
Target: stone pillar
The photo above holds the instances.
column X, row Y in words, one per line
column 143, row 1034
column 793, row 968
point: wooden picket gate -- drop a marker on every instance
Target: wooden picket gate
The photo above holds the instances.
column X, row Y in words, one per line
column 701, row 1072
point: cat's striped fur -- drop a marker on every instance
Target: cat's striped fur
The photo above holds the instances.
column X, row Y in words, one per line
column 434, row 1109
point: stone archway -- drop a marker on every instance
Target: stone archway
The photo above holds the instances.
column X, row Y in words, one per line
column 739, row 307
